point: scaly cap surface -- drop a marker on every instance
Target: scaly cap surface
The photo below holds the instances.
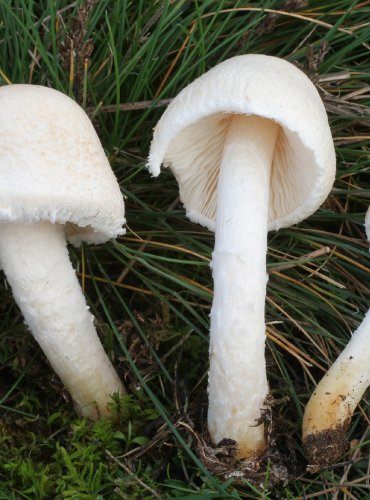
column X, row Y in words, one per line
column 53, row 167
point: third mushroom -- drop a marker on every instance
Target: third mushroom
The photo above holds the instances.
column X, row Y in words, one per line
column 329, row 411
column 251, row 149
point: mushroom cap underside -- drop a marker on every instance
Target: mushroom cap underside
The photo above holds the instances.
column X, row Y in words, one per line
column 190, row 135
column 53, row 167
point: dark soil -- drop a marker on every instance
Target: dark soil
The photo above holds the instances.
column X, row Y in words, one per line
column 327, row 446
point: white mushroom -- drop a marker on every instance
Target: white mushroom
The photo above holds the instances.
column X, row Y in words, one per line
column 56, row 185
column 331, row 406
column 250, row 146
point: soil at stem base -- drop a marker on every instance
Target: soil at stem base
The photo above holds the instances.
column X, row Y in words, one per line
column 327, row 446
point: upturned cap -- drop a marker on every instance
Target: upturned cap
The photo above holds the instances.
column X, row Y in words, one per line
column 190, row 135
column 53, row 167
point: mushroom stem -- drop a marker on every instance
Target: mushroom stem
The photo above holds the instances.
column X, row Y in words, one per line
column 37, row 266
column 237, row 378
column 329, row 411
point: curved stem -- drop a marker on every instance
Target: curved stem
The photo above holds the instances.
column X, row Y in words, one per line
column 328, row 412
column 237, row 378
column 36, row 263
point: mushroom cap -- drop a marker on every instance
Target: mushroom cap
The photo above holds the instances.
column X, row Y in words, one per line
column 367, row 224
column 190, row 135
column 53, row 167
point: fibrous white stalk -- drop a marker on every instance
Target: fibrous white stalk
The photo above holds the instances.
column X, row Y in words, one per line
column 334, row 400
column 237, row 378
column 37, row 266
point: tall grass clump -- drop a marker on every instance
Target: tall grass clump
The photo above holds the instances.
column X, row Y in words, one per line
column 151, row 290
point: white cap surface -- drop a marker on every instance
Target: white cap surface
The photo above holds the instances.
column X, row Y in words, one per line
column 53, row 167
column 190, row 135
column 367, row 224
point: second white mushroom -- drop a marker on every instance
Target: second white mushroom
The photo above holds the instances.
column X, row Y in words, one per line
column 250, row 146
